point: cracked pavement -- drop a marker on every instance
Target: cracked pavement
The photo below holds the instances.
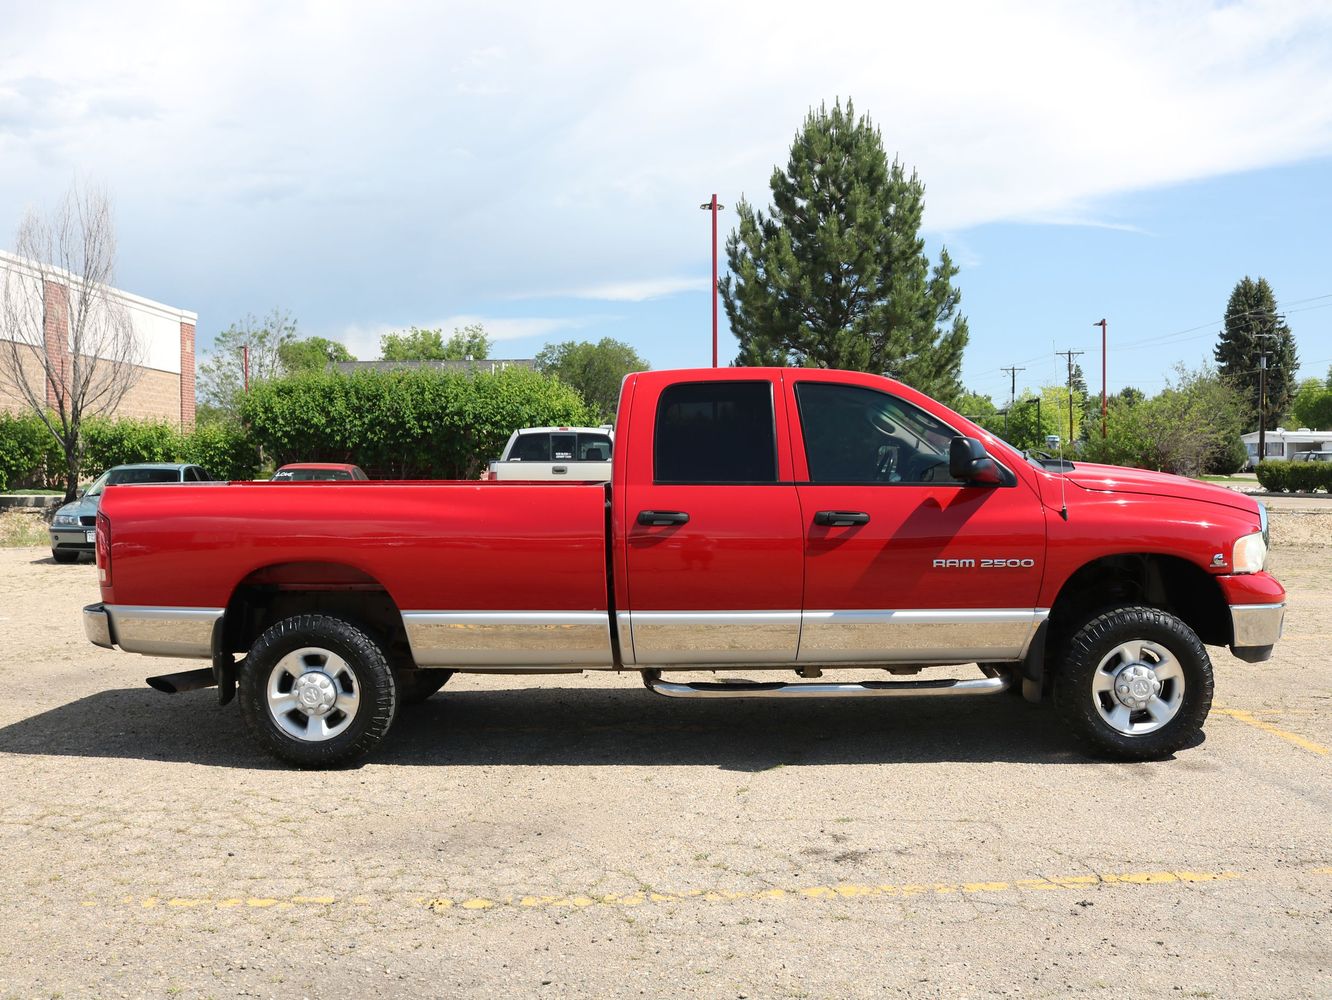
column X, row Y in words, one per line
column 574, row 836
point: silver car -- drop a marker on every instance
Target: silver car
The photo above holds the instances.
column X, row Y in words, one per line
column 74, row 527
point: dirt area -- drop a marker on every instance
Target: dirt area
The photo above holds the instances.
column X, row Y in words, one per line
column 578, row 837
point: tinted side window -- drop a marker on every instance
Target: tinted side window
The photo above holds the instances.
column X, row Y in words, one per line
column 531, row 448
column 715, row 432
column 857, row 435
column 594, row 447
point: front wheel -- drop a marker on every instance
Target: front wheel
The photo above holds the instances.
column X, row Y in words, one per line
column 317, row 691
column 1135, row 683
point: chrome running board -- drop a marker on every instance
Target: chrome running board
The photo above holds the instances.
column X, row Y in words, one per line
column 863, row 689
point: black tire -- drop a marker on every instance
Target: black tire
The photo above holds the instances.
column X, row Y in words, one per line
column 371, row 680
column 65, row 555
column 419, row 683
column 1158, row 637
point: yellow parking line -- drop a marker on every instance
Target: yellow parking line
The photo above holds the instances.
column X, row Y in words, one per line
column 1267, row 727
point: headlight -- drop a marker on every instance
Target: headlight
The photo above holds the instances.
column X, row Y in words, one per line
column 65, row 519
column 1250, row 555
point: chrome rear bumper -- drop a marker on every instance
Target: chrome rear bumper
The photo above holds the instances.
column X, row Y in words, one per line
column 180, row 632
column 97, row 626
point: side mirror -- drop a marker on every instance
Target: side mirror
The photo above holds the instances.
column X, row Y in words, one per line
column 968, row 462
column 78, row 494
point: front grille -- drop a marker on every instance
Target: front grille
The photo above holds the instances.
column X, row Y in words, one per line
column 88, row 521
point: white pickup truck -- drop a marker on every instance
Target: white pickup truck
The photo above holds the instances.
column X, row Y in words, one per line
column 581, row 454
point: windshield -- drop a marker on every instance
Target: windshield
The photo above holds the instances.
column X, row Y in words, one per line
column 120, row 477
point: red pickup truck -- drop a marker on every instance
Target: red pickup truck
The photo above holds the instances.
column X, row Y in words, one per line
column 788, row 520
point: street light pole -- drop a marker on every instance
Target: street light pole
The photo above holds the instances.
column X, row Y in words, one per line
column 714, row 206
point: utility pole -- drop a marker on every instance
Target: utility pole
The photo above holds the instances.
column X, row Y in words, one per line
column 714, row 206
column 1262, row 391
column 1070, row 355
column 1012, row 393
column 1101, row 324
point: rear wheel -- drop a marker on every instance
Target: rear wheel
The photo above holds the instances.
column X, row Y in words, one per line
column 317, row 691
column 65, row 555
column 1134, row 683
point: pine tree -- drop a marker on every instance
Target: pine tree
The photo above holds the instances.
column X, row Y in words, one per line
column 1253, row 327
column 836, row 275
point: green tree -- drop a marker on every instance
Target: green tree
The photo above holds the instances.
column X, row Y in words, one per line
column 1192, row 427
column 223, row 373
column 1031, row 419
column 418, row 344
column 311, row 352
column 1312, row 405
column 1253, row 327
column 595, row 370
column 836, row 275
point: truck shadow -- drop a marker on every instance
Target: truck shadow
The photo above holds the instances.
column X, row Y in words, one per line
column 575, row 726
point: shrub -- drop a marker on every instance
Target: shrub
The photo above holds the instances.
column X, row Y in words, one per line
column 122, row 442
column 24, row 442
column 224, row 450
column 1299, row 477
column 418, row 423
column 1272, row 476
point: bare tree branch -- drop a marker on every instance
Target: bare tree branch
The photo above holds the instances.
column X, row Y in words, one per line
column 67, row 343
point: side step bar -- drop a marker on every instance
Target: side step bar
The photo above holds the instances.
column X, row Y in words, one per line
column 863, row 689
column 186, row 680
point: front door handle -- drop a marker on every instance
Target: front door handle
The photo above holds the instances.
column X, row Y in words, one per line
column 841, row 518
column 661, row 518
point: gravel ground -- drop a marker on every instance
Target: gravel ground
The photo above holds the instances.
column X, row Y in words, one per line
column 575, row 836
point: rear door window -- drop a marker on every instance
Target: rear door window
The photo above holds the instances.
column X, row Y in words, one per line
column 715, row 432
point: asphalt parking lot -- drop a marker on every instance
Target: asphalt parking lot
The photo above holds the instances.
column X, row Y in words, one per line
column 577, row 836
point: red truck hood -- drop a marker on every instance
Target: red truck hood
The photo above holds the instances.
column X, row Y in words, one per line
column 1114, row 479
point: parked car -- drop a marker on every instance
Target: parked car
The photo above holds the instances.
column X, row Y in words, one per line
column 1313, row 456
column 73, row 527
column 313, row 472
column 580, row 454
column 791, row 521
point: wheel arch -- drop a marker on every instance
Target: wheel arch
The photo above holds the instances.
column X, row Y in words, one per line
column 1166, row 582
column 277, row 591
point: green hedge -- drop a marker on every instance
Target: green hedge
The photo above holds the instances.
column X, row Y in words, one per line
column 418, row 423
column 1295, row 477
column 415, row 423
column 30, row 457
column 23, row 447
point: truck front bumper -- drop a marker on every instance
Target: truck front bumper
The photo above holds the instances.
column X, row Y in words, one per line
column 1256, row 629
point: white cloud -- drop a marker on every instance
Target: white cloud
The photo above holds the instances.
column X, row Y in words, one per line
column 437, row 157
column 629, row 291
column 363, row 339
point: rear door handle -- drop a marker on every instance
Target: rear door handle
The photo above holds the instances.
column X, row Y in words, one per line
column 661, row 518
column 841, row 518
column 559, row 470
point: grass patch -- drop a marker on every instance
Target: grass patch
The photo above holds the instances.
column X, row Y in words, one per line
column 32, row 493
column 23, row 528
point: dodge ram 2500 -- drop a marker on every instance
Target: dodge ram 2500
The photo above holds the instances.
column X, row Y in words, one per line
column 789, row 520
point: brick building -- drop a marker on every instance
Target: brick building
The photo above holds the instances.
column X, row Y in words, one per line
column 164, row 389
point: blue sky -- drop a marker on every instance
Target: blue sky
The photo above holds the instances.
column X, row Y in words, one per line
column 539, row 168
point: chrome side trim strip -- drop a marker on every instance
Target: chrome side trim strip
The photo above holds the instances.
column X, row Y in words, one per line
column 865, row 689
column 181, row 632
column 533, row 639
column 1257, row 624
column 912, row 636
column 666, row 638
column 624, row 624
